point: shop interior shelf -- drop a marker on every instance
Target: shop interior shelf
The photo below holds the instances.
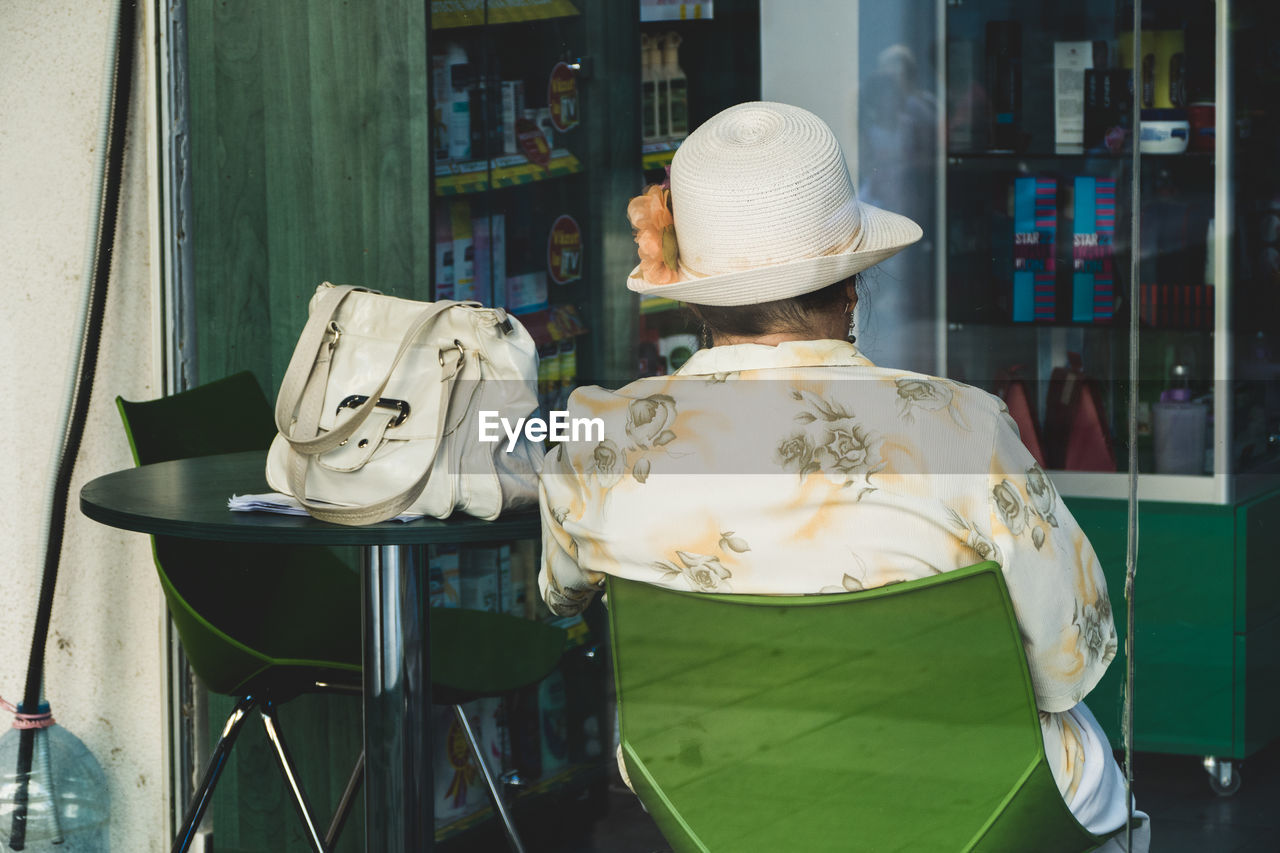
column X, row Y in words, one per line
column 457, row 14
column 655, row 155
column 477, row 176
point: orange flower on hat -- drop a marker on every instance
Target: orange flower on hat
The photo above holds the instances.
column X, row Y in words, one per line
column 650, row 216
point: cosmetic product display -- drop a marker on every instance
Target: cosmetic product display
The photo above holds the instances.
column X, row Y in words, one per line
column 1108, row 110
column 512, row 111
column 652, row 127
column 673, row 87
column 1034, row 269
column 1092, row 250
column 1202, row 118
column 1163, row 131
column 527, row 292
column 1070, row 60
column 1004, row 83
column 1177, row 306
column 452, row 84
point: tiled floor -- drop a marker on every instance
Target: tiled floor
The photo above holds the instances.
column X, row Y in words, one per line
column 1186, row 816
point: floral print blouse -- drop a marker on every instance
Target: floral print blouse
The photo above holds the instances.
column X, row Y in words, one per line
column 804, row 468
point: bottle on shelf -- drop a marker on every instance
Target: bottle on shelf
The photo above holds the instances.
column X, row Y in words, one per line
column 674, row 87
column 1179, row 427
column 1004, row 83
column 451, row 75
column 651, row 127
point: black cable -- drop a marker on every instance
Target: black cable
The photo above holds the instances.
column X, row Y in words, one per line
column 108, row 214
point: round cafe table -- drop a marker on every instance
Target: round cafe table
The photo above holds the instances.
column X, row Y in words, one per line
column 188, row 498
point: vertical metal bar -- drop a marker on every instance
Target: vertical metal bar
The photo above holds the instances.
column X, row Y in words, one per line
column 397, row 700
column 1223, row 231
column 186, row 732
column 940, row 215
column 1131, row 543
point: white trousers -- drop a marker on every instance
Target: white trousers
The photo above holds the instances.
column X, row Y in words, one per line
column 1099, row 800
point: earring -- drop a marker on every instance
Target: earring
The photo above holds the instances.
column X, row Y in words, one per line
column 706, row 337
column 850, row 335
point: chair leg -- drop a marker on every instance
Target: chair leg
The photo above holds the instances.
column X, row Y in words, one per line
column 269, row 721
column 344, row 804
column 490, row 781
column 217, row 761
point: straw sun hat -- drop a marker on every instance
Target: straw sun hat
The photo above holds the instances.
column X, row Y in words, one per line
column 761, row 208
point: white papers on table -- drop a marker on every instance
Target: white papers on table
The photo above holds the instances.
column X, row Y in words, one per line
column 282, row 504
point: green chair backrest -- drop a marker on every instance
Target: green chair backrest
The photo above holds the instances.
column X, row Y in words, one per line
column 899, row 718
column 476, row 653
column 244, row 612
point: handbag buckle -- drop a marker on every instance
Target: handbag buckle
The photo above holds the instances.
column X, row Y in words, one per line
column 399, row 406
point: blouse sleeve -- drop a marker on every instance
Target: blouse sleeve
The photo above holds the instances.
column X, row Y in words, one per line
column 1055, row 581
column 565, row 588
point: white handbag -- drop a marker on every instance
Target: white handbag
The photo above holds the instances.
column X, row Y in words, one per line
column 378, row 413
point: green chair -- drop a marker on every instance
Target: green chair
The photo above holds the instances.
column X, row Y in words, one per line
column 900, row 718
column 259, row 622
column 264, row 623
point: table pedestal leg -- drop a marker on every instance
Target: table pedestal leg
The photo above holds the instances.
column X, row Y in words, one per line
column 397, row 700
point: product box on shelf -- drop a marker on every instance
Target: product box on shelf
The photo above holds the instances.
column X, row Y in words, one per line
column 1035, row 210
column 1092, row 250
column 1070, row 60
column 1108, row 110
column 512, row 111
column 1004, row 83
column 1178, row 306
column 457, row 784
column 527, row 292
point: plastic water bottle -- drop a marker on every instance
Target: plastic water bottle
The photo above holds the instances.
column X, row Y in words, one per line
column 67, row 804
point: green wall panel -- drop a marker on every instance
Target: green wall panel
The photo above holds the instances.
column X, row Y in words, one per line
column 309, row 162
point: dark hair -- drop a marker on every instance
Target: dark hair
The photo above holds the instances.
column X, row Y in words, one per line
column 794, row 314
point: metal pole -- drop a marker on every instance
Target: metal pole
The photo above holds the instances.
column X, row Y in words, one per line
column 397, row 700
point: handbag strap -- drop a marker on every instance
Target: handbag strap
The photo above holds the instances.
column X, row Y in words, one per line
column 298, row 464
column 300, row 403
column 301, row 397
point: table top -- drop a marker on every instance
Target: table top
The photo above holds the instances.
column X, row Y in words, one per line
column 188, row 498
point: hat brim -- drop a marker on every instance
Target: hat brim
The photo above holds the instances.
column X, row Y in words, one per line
column 883, row 235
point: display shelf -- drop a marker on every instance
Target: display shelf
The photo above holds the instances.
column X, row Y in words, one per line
column 461, row 14
column 477, row 176
column 656, row 155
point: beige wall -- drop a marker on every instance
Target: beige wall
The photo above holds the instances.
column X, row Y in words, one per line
column 104, row 676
